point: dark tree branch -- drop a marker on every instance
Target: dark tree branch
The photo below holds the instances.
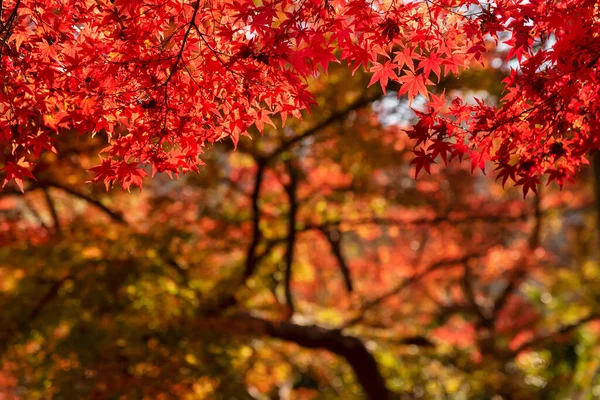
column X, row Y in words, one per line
column 37, row 309
column 271, row 244
column 179, row 56
column 544, row 339
column 335, row 117
column 115, row 216
column 47, row 298
column 538, row 214
column 6, row 27
column 290, row 190
column 251, row 261
column 35, row 213
column 513, row 282
column 383, row 221
column 228, row 299
column 334, row 237
column 469, row 290
column 52, row 209
column 351, row 348
column 496, row 217
column 409, row 281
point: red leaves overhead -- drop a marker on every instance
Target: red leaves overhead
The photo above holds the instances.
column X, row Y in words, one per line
column 547, row 121
column 128, row 173
column 165, row 78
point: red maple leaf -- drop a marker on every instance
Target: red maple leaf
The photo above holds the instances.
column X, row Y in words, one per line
column 17, row 171
column 413, row 85
column 382, row 73
column 422, row 160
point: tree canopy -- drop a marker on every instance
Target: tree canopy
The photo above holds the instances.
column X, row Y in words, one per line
column 160, row 80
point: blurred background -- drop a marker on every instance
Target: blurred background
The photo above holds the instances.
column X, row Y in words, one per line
column 306, row 264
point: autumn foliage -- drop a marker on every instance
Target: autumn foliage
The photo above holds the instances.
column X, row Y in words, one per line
column 162, row 80
column 305, row 261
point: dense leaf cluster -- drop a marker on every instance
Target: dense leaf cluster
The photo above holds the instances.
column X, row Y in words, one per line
column 162, row 79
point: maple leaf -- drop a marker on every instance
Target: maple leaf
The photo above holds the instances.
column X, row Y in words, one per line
column 260, row 118
column 40, row 142
column 560, row 174
column 17, row 171
column 19, row 37
column 478, row 159
column 459, row 150
column 422, row 160
column 453, row 64
column 87, row 104
column 507, row 172
column 529, row 182
column 429, row 64
column 405, row 58
column 47, row 50
column 413, row 85
column 437, row 103
column 51, row 121
column 382, row 73
column 105, row 172
column 359, row 56
column 441, row 148
column 130, row 174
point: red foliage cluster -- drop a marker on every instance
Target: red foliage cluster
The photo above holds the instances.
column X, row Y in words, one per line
column 548, row 119
column 162, row 78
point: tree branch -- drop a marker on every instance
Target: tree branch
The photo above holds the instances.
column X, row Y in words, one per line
column 115, row 216
column 39, row 306
column 52, row 209
column 256, row 232
column 336, row 116
column 351, row 348
column 542, row 339
column 334, row 237
column 290, row 190
column 405, row 283
column 228, row 298
column 469, row 289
